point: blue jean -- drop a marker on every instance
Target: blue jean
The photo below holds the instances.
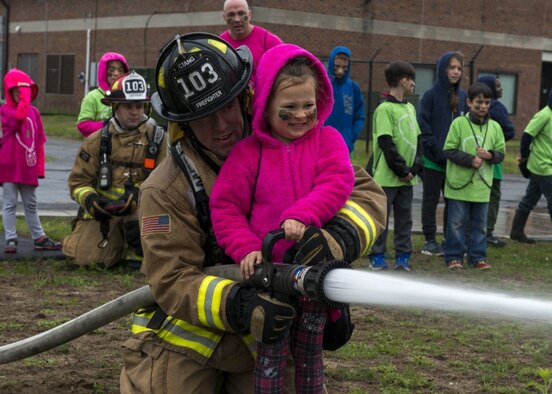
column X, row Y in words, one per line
column 464, row 215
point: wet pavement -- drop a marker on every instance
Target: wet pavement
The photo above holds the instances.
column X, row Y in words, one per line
column 54, row 200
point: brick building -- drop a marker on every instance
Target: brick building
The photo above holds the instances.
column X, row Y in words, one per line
column 52, row 39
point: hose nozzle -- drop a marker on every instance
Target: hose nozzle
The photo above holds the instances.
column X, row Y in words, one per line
column 299, row 280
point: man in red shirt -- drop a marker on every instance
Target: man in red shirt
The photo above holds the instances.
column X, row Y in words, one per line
column 237, row 16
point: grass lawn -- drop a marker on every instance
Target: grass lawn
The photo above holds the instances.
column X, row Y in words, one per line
column 64, row 126
column 393, row 349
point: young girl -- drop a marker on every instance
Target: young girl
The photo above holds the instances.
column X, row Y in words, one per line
column 21, row 159
column 93, row 113
column 291, row 173
column 439, row 106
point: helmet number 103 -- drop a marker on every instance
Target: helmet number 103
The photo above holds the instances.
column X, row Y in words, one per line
column 134, row 86
column 198, row 80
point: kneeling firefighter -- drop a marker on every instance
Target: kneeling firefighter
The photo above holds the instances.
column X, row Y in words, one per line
column 111, row 165
column 201, row 335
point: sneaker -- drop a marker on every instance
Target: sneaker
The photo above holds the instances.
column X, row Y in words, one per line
column 402, row 262
column 432, row 248
column 11, row 246
column 377, row 262
column 482, row 265
column 493, row 240
column 45, row 243
column 455, row 265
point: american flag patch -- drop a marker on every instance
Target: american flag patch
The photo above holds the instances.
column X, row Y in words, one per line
column 156, row 224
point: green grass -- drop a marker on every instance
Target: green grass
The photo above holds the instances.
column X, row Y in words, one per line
column 61, row 126
column 393, row 349
column 413, row 350
column 55, row 227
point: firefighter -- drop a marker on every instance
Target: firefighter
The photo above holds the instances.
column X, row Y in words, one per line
column 106, row 175
column 201, row 335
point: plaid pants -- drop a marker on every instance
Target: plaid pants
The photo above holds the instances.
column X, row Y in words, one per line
column 305, row 341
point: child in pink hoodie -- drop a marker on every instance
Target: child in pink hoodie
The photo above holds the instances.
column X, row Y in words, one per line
column 291, row 173
column 21, row 159
column 93, row 113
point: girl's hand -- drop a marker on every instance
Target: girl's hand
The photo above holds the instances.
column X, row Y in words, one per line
column 247, row 265
column 294, row 229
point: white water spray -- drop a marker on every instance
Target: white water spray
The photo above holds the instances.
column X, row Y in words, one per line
column 360, row 287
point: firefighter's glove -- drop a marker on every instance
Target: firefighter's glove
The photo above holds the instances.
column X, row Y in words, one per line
column 95, row 206
column 266, row 318
column 130, row 200
column 310, row 250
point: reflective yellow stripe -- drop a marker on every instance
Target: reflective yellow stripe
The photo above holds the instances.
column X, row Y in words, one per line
column 209, row 299
column 80, row 192
column 363, row 220
column 179, row 333
column 113, row 193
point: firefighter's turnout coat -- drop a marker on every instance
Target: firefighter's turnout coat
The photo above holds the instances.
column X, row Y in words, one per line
column 128, row 160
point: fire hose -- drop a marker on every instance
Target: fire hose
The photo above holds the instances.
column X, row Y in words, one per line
column 293, row 280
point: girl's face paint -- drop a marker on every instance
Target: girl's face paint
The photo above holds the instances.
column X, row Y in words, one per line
column 285, row 114
column 310, row 114
column 292, row 112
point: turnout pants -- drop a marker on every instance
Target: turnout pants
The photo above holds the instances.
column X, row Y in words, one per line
column 82, row 244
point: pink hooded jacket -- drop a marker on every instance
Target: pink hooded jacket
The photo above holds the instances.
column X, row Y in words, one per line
column 23, row 138
column 265, row 181
column 90, row 119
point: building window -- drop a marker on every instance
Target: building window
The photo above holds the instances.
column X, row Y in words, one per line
column 28, row 63
column 509, row 89
column 60, row 74
column 425, row 75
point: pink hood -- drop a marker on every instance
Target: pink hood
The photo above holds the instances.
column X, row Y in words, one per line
column 102, row 68
column 15, row 78
column 269, row 66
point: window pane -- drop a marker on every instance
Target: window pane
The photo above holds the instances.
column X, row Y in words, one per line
column 52, row 73
column 424, row 79
column 67, row 74
column 28, row 62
